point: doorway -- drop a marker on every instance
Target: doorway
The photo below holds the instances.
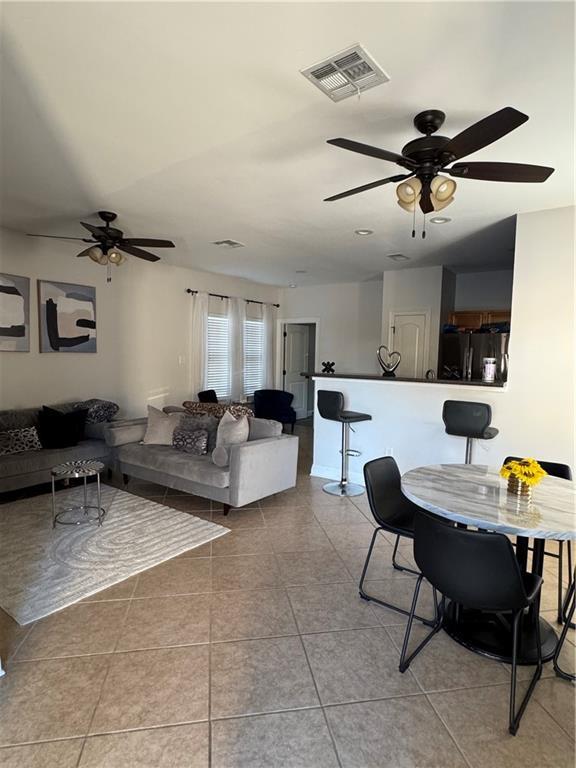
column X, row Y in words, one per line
column 408, row 335
column 299, row 355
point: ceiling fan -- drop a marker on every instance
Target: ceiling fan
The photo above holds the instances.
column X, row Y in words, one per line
column 424, row 158
column 109, row 243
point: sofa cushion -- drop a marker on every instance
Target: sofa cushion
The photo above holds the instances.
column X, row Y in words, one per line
column 203, row 421
column 164, row 458
column 161, row 426
column 18, row 419
column 35, row 461
column 191, row 441
column 60, row 430
column 263, row 428
column 98, row 410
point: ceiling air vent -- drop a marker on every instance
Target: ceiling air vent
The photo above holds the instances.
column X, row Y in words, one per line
column 229, row 244
column 347, row 73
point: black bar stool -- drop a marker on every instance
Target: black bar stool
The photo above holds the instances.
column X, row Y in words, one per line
column 331, row 407
column 469, row 420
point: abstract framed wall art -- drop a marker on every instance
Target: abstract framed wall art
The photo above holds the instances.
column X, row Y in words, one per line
column 14, row 313
column 67, row 317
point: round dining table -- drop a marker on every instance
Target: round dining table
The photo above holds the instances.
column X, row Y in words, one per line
column 476, row 496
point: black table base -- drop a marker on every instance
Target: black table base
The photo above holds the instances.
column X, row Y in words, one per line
column 491, row 635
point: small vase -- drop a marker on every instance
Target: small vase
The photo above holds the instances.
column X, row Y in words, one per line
column 519, row 488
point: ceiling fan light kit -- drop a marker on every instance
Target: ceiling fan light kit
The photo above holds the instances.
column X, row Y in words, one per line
column 109, row 244
column 424, row 159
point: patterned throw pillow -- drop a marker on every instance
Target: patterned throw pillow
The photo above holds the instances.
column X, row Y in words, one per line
column 217, row 409
column 19, row 441
column 191, row 441
column 98, row 410
column 204, row 421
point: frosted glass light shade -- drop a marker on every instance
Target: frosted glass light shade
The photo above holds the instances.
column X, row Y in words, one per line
column 95, row 254
column 442, row 188
column 440, row 204
column 115, row 257
column 409, row 206
column 409, row 191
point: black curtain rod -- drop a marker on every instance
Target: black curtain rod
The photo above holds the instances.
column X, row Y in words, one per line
column 248, row 301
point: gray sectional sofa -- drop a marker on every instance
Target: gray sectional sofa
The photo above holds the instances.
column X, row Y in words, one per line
column 21, row 470
column 264, row 465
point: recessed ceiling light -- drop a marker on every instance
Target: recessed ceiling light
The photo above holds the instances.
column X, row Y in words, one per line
column 301, row 271
column 439, row 220
column 229, row 243
column 292, row 285
column 398, row 257
column 363, row 231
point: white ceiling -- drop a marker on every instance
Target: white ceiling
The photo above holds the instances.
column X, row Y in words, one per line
column 193, row 122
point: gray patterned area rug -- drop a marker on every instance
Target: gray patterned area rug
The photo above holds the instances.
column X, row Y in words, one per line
column 43, row 570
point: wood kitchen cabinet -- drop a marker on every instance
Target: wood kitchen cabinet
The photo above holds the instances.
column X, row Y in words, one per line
column 473, row 319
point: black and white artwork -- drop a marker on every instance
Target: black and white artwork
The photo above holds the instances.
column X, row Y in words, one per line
column 14, row 313
column 67, row 315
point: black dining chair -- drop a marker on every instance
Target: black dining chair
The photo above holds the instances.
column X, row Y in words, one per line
column 208, row 396
column 568, row 609
column 564, row 472
column 394, row 513
column 478, row 570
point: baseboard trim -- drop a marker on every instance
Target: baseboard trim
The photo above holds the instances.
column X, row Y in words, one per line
column 333, row 473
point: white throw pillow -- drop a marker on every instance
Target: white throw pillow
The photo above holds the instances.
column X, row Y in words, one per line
column 231, row 431
column 161, row 426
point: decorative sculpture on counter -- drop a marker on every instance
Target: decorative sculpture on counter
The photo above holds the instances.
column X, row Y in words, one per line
column 391, row 363
column 328, row 367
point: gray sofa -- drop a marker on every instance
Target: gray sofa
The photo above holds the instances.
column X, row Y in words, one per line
column 21, row 470
column 264, row 465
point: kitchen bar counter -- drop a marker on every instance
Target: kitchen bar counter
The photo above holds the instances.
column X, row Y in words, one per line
column 379, row 377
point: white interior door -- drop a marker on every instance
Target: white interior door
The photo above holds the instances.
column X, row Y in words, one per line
column 296, row 342
column 408, row 332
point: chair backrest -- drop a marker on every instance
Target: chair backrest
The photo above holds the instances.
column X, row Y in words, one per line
column 475, row 568
column 207, row 396
column 390, row 508
column 465, row 418
column 551, row 467
column 274, row 397
column 330, row 404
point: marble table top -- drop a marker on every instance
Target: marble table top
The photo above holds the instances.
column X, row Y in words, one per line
column 476, row 495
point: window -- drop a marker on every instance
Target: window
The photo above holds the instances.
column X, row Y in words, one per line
column 218, row 367
column 218, row 363
column 253, row 356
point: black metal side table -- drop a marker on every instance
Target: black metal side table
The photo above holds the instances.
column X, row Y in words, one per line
column 83, row 513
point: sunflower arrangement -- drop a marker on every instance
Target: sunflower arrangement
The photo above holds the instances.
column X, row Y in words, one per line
column 522, row 475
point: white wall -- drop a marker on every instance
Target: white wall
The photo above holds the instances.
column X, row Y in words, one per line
column 349, row 317
column 535, row 412
column 484, row 290
column 413, row 290
column 142, row 325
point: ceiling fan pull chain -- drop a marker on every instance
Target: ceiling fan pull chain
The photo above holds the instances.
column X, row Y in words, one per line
column 414, row 220
column 108, row 273
column 423, row 226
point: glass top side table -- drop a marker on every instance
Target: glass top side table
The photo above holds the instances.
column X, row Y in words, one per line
column 83, row 513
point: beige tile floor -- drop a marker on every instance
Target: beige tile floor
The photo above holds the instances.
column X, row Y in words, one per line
column 256, row 652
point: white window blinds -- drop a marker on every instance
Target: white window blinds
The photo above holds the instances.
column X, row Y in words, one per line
column 218, row 363
column 253, row 356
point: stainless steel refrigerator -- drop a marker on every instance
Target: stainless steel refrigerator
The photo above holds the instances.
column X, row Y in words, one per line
column 461, row 355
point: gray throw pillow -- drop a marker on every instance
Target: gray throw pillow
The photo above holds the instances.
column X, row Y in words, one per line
column 161, row 426
column 231, row 431
column 194, row 442
column 204, row 421
column 19, row 441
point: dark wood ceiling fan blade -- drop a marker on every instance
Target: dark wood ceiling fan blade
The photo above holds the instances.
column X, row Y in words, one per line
column 484, row 132
column 133, row 251
column 96, row 231
column 514, row 172
column 366, row 149
column 62, row 237
column 148, row 242
column 366, row 187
